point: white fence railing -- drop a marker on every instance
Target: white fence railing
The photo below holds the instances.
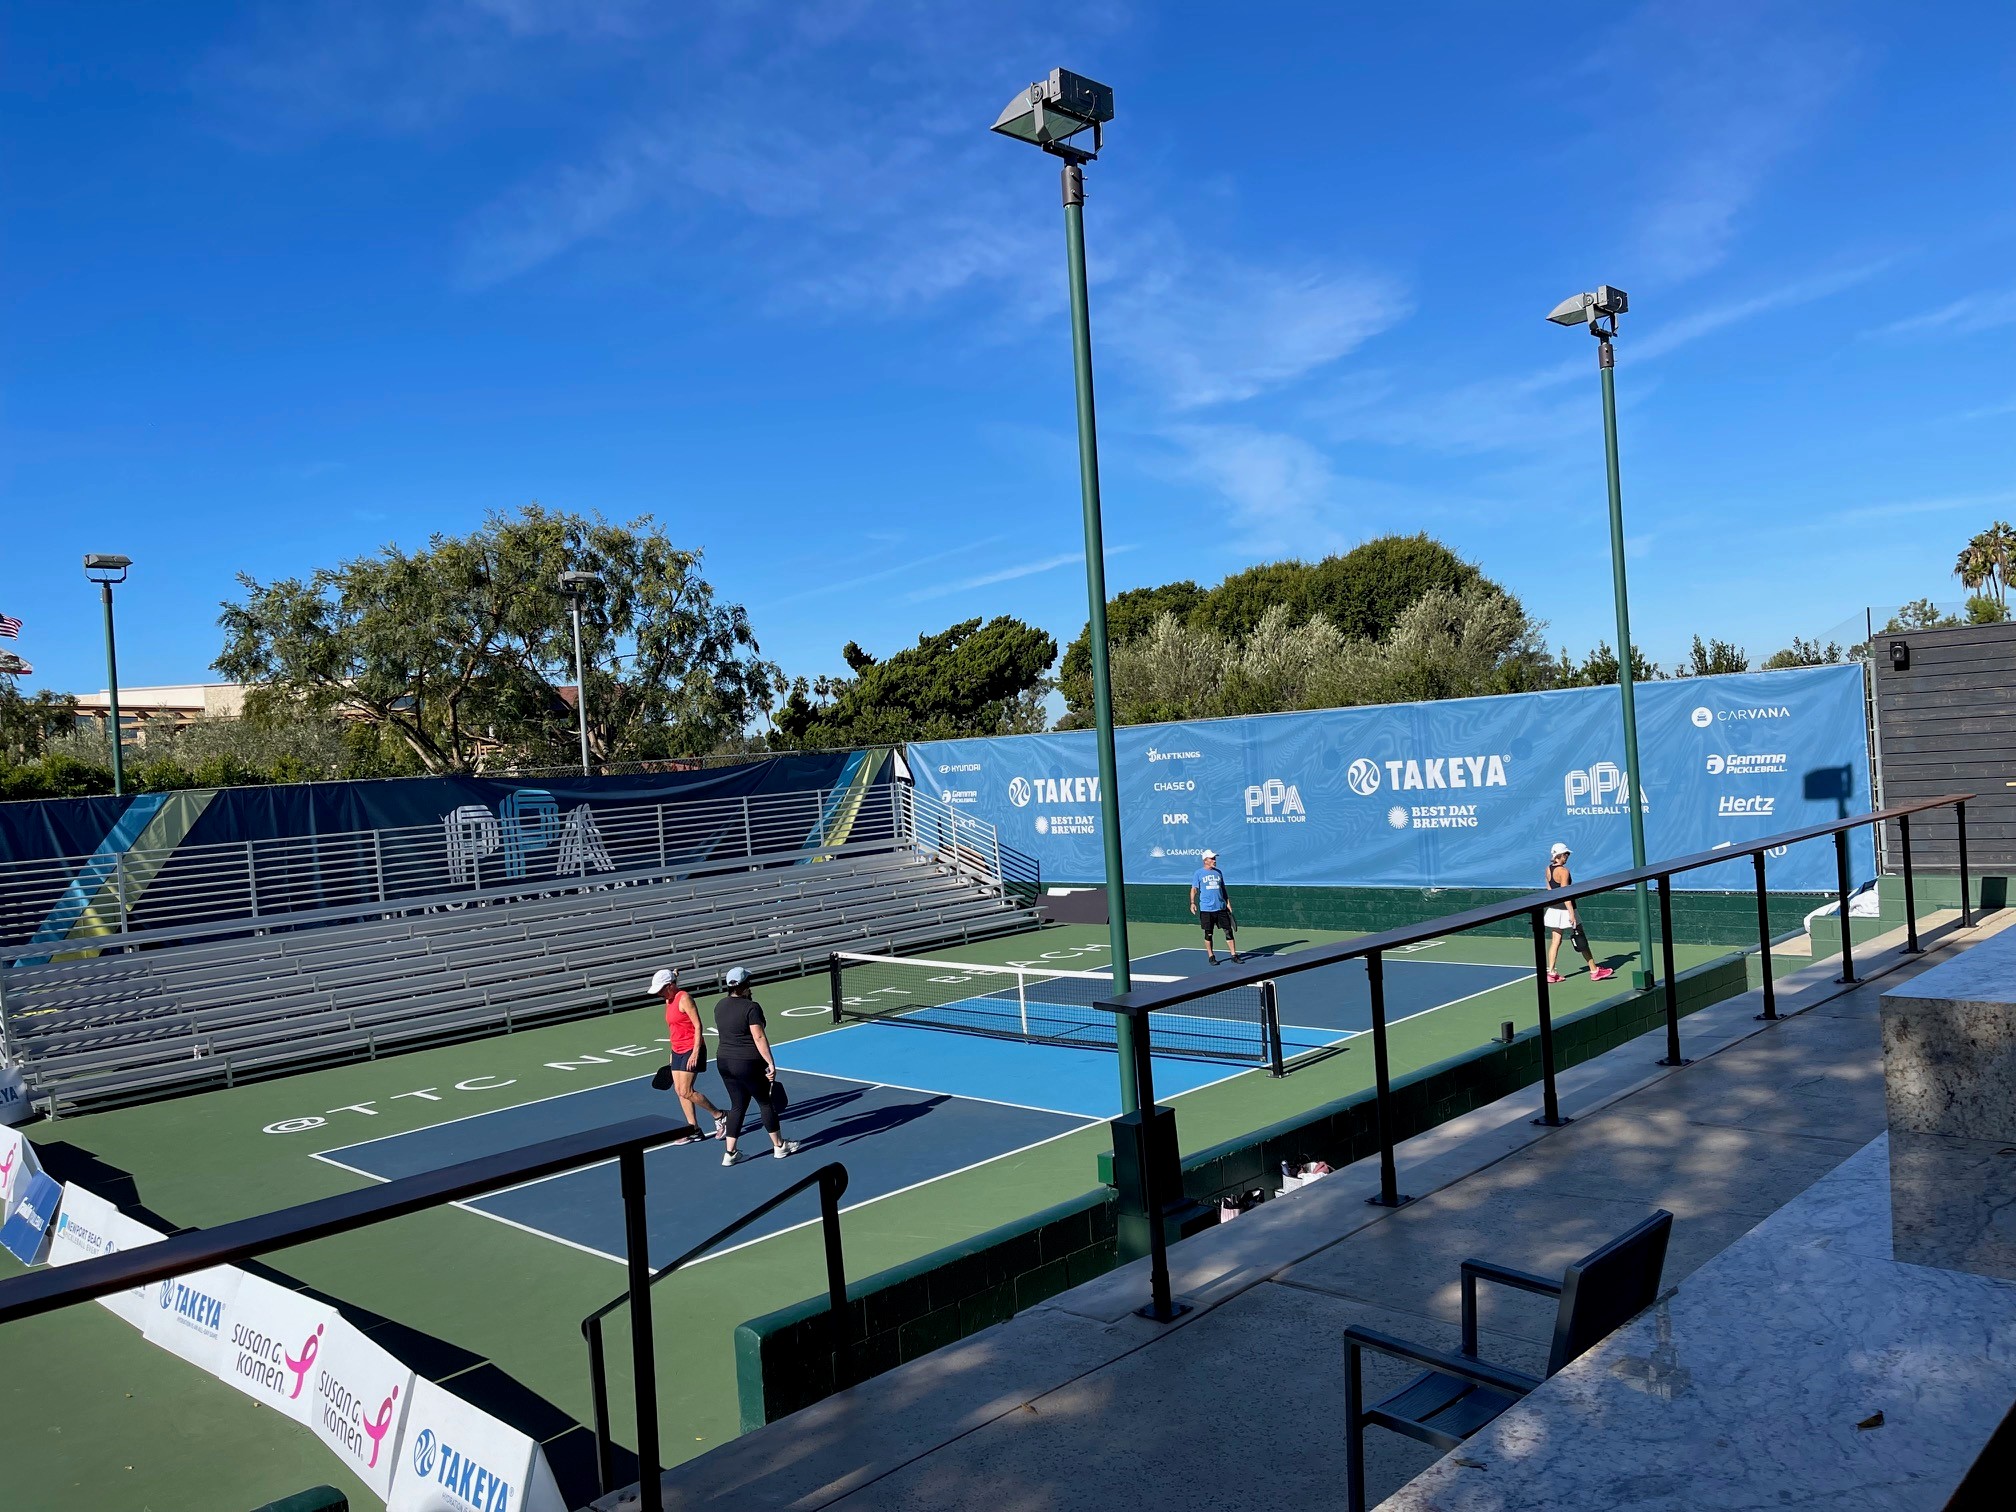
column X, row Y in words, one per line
column 528, row 843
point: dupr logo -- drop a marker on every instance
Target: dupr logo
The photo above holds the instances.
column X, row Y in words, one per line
column 1275, row 802
column 1363, row 777
column 1018, row 792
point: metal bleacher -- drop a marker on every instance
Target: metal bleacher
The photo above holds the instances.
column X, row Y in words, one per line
column 219, row 996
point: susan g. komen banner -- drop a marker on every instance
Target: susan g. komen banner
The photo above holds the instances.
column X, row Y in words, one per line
column 455, row 1458
column 87, row 1228
column 17, row 1165
column 359, row 1398
column 273, row 1347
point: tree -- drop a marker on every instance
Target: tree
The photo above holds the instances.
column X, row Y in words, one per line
column 1715, row 657
column 1805, row 653
column 1362, row 593
column 1599, row 668
column 1983, row 609
column 26, row 724
column 461, row 648
column 1920, row 614
column 970, row 679
column 1986, row 561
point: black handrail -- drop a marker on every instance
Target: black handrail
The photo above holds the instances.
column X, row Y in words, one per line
column 48, row 1290
column 1141, row 1003
column 831, row 1180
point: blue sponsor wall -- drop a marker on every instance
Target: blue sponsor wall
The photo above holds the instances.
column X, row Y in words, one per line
column 1460, row 793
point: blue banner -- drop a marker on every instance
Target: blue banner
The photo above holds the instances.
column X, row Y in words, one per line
column 1461, row 793
column 25, row 1234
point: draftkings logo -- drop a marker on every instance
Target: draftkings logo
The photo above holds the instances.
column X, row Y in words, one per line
column 1154, row 755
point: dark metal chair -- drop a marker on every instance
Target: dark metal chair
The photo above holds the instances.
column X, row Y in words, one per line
column 1459, row 1394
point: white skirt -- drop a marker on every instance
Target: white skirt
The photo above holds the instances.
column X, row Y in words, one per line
column 1558, row 918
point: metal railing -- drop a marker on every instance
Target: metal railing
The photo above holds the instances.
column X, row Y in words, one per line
column 48, row 1290
column 1142, row 1003
column 832, row 1183
column 472, row 855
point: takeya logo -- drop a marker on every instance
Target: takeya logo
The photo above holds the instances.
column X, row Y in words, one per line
column 472, row 1484
column 1023, row 791
column 1413, row 774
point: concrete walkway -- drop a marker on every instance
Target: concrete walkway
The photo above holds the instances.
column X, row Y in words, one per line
column 1080, row 1404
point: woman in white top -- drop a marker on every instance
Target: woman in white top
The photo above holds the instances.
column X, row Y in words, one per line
column 1562, row 920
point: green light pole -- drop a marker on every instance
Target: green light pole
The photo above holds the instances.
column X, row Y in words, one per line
column 1048, row 113
column 105, row 569
column 1600, row 311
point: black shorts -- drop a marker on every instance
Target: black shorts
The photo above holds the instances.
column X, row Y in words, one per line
column 694, row 1060
column 1217, row 918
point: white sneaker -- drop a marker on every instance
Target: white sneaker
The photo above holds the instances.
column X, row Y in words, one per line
column 789, row 1147
column 720, row 1129
column 731, row 1157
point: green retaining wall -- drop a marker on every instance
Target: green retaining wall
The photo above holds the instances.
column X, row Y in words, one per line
column 1706, row 918
column 782, row 1359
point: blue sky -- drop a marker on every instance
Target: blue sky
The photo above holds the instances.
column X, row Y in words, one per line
column 283, row 283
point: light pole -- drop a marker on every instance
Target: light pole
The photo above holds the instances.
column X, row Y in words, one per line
column 1049, row 113
column 1599, row 311
column 106, row 568
column 575, row 585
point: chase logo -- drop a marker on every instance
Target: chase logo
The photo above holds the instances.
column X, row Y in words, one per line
column 1363, row 777
column 1018, row 792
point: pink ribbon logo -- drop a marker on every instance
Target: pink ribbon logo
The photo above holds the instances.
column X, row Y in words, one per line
column 8, row 1169
column 379, row 1426
column 300, row 1367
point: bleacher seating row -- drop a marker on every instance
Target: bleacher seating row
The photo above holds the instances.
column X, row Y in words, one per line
column 133, row 1023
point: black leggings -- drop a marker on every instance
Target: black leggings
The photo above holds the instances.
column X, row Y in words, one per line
column 746, row 1081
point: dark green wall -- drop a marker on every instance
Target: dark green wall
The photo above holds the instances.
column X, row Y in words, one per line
column 783, row 1360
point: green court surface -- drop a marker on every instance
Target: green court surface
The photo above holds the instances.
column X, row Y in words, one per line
column 97, row 1417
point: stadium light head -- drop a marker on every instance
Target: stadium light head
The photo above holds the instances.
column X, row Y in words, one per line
column 1052, row 111
column 574, row 584
column 1585, row 309
column 106, row 566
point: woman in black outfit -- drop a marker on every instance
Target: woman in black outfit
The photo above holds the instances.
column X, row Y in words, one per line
column 742, row 1056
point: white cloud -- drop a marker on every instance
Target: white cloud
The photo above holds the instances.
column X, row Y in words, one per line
column 1977, row 312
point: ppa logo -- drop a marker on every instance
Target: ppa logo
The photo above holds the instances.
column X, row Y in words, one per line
column 1598, row 789
column 1363, row 777
column 1275, row 802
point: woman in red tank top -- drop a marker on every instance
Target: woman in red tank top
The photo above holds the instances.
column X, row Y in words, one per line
column 689, row 1051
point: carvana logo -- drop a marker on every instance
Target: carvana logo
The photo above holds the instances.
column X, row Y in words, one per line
column 1702, row 718
column 1363, row 777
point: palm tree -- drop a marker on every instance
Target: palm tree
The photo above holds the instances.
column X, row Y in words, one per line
column 1974, row 565
column 1999, row 540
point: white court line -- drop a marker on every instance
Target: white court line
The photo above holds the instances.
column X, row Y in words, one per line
column 467, row 1207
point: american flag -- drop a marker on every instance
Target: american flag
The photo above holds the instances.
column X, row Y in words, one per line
column 10, row 627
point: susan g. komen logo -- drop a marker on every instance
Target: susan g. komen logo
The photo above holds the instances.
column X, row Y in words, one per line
column 379, row 1426
column 301, row 1366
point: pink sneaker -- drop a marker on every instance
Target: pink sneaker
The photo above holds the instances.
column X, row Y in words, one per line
column 1555, row 976
column 1600, row 973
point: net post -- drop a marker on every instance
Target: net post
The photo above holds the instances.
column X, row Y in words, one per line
column 833, row 981
column 1022, row 998
column 1382, row 1084
column 1270, row 1027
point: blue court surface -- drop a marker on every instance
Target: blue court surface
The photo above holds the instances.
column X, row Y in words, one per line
column 900, row 1105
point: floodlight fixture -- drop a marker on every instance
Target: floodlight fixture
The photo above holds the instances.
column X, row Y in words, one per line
column 106, row 566
column 575, row 583
column 1051, row 111
column 1587, row 309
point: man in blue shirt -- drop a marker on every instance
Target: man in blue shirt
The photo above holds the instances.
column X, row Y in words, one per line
column 1213, row 906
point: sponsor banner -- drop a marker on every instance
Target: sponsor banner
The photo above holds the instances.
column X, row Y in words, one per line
column 87, row 1227
column 17, row 1164
column 190, row 1316
column 454, row 1458
column 1460, row 793
column 359, row 1399
column 14, row 1104
column 273, row 1346
column 25, row 1234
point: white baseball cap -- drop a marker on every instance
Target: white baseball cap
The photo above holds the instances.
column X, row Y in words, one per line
column 1559, row 849
column 736, row 976
column 1209, row 855
column 662, row 978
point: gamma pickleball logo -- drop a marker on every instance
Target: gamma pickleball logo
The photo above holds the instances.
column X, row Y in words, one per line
column 1363, row 777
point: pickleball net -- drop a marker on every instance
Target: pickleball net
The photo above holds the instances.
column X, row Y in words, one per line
column 1047, row 1006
